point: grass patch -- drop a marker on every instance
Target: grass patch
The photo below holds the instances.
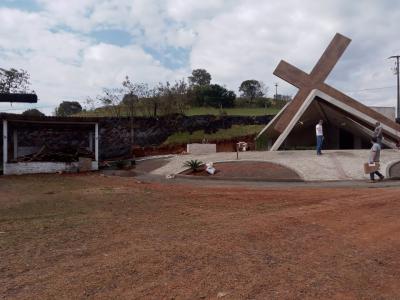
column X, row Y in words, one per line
column 239, row 111
column 223, row 134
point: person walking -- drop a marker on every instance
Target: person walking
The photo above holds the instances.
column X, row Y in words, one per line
column 320, row 136
column 374, row 157
column 378, row 133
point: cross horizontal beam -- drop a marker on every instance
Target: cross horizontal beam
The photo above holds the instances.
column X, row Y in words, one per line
column 292, row 75
column 304, row 82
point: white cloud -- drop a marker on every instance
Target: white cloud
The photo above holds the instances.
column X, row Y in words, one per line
column 248, row 43
column 102, row 66
column 73, row 13
column 190, row 11
column 181, row 37
column 249, row 40
column 234, row 40
column 65, row 65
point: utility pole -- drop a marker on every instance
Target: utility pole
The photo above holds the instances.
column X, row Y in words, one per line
column 396, row 57
column 276, row 91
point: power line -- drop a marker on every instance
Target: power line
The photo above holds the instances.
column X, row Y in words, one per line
column 372, row 89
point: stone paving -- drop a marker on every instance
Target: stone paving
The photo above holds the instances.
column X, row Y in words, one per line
column 332, row 165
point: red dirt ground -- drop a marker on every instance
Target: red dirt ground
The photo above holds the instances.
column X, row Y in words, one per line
column 249, row 169
column 89, row 236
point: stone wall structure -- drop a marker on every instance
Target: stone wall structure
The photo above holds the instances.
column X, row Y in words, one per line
column 115, row 133
column 115, row 137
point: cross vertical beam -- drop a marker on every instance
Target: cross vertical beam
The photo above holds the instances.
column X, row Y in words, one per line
column 329, row 58
column 304, row 82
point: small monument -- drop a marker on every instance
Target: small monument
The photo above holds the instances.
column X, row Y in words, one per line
column 200, row 149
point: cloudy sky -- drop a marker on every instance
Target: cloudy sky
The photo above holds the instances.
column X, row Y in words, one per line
column 74, row 48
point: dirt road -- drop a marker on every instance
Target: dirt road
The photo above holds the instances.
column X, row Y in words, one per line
column 106, row 237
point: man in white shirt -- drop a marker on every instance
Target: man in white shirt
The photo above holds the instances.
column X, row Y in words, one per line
column 320, row 136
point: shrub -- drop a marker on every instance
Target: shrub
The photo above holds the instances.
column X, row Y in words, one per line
column 120, row 164
column 193, row 164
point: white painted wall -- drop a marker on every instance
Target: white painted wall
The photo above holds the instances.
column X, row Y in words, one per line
column 42, row 167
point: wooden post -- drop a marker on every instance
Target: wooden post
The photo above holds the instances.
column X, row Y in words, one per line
column 15, row 143
column 96, row 141
column 5, row 146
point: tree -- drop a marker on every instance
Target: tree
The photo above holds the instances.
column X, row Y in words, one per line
column 134, row 92
column 33, row 112
column 67, row 108
column 180, row 92
column 165, row 98
column 217, row 96
column 112, row 98
column 195, row 95
column 130, row 100
column 14, row 81
column 251, row 89
column 200, row 77
column 146, row 98
column 173, row 97
column 90, row 104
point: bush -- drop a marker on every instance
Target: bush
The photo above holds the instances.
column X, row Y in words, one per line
column 193, row 164
column 33, row 112
column 67, row 108
column 212, row 95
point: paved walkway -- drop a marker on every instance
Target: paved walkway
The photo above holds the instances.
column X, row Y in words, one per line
column 332, row 165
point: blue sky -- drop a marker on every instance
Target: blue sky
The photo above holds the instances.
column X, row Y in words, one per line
column 28, row 5
column 74, row 48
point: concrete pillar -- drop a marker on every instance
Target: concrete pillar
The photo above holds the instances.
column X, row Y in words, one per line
column 5, row 146
column 91, row 141
column 15, row 143
column 96, row 141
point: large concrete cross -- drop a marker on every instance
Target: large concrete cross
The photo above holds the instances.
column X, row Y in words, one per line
column 315, row 80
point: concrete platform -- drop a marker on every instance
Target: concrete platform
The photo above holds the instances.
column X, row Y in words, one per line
column 331, row 166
